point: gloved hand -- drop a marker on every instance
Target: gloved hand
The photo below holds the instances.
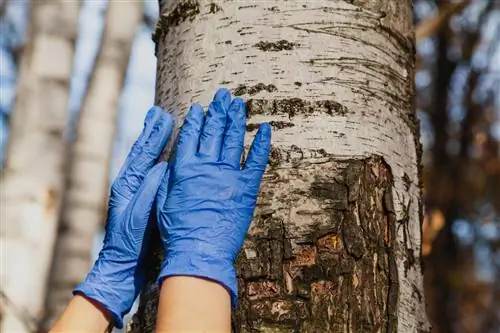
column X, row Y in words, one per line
column 116, row 277
column 206, row 207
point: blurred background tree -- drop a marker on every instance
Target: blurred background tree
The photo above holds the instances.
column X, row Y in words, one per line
column 458, row 103
column 34, row 172
column 89, row 158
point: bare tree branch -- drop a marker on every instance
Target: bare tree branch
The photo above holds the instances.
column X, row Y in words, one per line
column 434, row 23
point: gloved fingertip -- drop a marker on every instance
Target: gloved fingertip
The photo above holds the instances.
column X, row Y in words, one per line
column 161, row 132
column 149, row 121
column 224, row 96
column 150, row 190
column 152, row 122
column 258, row 156
column 264, row 132
column 237, row 104
column 195, row 111
column 168, row 121
column 151, row 114
column 157, row 108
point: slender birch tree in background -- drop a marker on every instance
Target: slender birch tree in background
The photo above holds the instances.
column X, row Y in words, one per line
column 85, row 199
column 335, row 241
column 32, row 179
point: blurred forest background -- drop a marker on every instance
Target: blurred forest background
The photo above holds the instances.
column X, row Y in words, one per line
column 457, row 101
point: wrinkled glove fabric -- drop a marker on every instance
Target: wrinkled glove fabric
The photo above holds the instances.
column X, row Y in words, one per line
column 207, row 200
column 116, row 277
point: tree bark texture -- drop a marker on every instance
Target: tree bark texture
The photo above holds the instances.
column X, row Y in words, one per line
column 32, row 180
column 87, row 187
column 335, row 241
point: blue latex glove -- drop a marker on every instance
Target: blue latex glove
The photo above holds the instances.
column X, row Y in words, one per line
column 209, row 200
column 116, row 278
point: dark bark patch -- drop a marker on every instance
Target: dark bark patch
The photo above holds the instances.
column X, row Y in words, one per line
column 252, row 127
column 325, row 189
column 406, row 181
column 247, row 6
column 339, row 274
column 424, row 328
column 252, row 90
column 294, row 156
column 214, row 8
column 244, row 31
column 275, row 157
column 275, row 124
column 353, row 236
column 294, row 106
column 275, row 46
column 267, row 248
column 280, row 124
column 184, row 10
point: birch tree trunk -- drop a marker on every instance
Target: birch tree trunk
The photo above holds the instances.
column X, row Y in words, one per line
column 335, row 241
column 87, row 189
column 33, row 175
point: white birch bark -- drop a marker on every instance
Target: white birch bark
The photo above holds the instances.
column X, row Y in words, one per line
column 335, row 79
column 32, row 179
column 87, row 189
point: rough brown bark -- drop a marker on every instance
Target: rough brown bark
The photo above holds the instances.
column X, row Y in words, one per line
column 339, row 273
column 335, row 242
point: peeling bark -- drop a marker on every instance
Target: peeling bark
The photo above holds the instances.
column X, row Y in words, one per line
column 335, row 242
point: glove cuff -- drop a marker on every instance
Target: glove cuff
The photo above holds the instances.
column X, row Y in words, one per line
column 114, row 293
column 202, row 266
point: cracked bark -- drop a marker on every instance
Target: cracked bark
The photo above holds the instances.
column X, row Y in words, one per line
column 335, row 241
